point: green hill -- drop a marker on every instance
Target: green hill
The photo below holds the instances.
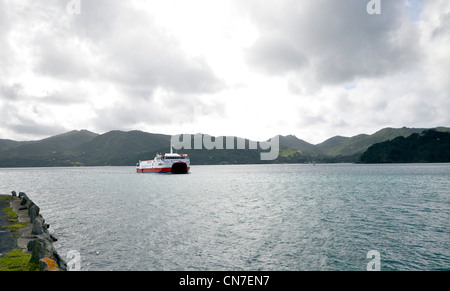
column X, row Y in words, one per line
column 430, row 146
column 6, row 144
column 62, row 143
column 120, row 148
column 294, row 143
column 346, row 146
column 117, row 147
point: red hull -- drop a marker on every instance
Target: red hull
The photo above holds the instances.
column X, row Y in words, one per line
column 156, row 170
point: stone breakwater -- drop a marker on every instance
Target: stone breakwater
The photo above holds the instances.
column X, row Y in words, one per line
column 35, row 237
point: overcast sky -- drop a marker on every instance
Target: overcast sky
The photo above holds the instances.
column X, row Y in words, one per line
column 248, row 68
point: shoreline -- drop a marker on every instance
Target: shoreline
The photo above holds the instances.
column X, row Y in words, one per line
column 230, row 164
column 33, row 236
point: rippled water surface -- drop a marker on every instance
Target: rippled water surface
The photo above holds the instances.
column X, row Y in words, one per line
column 249, row 217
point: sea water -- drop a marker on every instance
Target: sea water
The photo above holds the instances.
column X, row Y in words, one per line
column 245, row 217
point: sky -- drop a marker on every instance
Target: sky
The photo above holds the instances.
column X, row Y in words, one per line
column 247, row 68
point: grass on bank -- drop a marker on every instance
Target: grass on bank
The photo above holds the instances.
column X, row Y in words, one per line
column 9, row 198
column 16, row 260
column 9, row 211
column 16, row 226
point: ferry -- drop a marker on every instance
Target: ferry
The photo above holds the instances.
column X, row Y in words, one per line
column 165, row 163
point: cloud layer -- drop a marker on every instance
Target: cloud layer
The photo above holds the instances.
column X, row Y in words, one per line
column 332, row 41
column 108, row 57
column 310, row 68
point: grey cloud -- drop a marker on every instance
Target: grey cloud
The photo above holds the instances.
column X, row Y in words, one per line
column 33, row 128
column 332, row 41
column 266, row 49
column 16, row 106
column 101, row 19
column 308, row 119
column 15, row 121
column 109, row 45
column 11, row 92
column 59, row 59
column 128, row 113
column 152, row 61
column 46, row 47
column 64, row 99
column 136, row 54
column 443, row 30
column 5, row 51
column 109, row 42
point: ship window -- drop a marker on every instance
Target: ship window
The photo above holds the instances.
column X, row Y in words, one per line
column 176, row 158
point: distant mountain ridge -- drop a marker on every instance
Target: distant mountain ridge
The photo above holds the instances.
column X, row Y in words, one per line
column 358, row 144
column 349, row 146
column 429, row 146
column 86, row 148
column 59, row 143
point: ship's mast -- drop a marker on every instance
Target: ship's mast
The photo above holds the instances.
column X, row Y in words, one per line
column 171, row 151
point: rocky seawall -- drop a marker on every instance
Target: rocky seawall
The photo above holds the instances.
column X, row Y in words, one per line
column 35, row 237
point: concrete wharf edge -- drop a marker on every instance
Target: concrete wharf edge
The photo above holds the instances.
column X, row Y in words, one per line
column 35, row 238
